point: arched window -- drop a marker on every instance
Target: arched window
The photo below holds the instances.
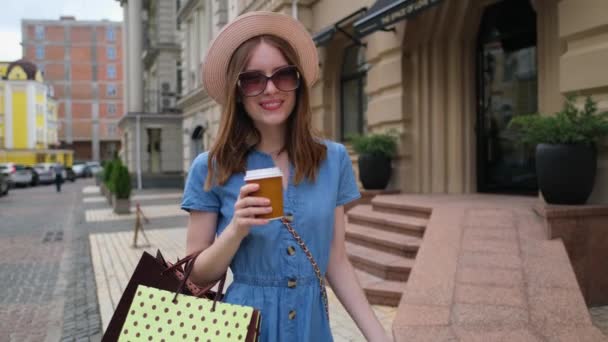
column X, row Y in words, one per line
column 197, row 141
column 352, row 91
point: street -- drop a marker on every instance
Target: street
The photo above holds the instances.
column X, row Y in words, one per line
column 47, row 284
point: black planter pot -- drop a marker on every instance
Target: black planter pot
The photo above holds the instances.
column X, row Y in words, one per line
column 374, row 171
column 566, row 173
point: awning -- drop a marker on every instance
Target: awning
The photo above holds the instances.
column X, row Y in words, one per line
column 384, row 13
column 327, row 34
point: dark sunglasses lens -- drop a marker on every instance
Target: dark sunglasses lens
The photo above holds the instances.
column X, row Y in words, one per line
column 252, row 83
column 286, row 79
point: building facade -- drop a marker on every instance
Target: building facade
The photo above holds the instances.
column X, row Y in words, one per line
column 447, row 75
column 28, row 117
column 82, row 60
column 151, row 124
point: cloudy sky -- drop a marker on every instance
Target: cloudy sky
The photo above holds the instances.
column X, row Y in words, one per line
column 12, row 11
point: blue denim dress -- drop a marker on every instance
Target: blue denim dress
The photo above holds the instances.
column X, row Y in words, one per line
column 269, row 257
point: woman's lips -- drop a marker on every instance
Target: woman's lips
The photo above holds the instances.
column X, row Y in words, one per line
column 271, row 104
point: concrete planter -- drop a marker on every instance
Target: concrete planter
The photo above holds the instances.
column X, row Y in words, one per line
column 121, row 205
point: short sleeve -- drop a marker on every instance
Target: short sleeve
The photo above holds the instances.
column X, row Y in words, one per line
column 348, row 190
column 195, row 197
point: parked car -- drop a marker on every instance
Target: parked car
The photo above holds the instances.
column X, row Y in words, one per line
column 81, row 170
column 94, row 168
column 19, row 175
column 4, row 184
column 67, row 173
column 45, row 174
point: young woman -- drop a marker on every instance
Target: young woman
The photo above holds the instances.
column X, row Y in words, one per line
column 263, row 84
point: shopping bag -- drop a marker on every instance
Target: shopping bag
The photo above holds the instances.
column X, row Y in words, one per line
column 154, row 315
column 158, row 274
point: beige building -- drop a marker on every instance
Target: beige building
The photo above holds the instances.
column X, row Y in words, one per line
column 446, row 74
column 151, row 125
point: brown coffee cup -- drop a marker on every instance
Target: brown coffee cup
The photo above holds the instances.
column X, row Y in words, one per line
column 270, row 181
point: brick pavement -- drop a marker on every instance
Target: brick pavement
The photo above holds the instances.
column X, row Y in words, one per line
column 34, row 228
column 114, row 261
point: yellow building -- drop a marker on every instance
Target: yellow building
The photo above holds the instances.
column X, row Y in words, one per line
column 28, row 117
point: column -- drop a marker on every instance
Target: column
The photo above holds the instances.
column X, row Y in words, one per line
column 125, row 57
column 135, row 49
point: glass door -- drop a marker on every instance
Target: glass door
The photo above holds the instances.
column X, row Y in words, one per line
column 507, row 87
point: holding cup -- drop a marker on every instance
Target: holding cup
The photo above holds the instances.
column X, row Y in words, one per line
column 270, row 181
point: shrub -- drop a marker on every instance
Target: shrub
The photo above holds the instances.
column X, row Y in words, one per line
column 382, row 144
column 121, row 181
column 568, row 126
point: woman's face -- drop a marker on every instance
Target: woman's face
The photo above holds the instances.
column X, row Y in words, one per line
column 272, row 106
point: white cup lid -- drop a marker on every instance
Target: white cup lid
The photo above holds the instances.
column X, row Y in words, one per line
column 263, row 173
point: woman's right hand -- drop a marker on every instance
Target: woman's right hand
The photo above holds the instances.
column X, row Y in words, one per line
column 247, row 208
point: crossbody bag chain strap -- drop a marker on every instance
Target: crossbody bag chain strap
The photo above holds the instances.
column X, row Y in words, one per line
column 312, row 261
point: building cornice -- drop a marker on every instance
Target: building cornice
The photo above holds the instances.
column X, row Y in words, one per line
column 131, row 116
column 197, row 95
column 185, row 11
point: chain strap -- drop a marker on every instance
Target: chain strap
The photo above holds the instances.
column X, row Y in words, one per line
column 312, row 261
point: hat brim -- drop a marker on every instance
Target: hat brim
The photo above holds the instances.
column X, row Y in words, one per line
column 251, row 25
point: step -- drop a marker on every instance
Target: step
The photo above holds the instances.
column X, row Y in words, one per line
column 363, row 215
column 380, row 264
column 393, row 205
column 379, row 291
column 395, row 243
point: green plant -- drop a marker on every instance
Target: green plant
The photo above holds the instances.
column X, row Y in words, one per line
column 121, row 181
column 568, row 126
column 382, row 144
column 108, row 173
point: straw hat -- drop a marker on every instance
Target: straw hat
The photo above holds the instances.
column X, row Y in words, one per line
column 250, row 25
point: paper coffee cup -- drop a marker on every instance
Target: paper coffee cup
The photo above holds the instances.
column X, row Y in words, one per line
column 271, row 187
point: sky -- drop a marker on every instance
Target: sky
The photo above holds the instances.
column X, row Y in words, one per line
column 12, row 11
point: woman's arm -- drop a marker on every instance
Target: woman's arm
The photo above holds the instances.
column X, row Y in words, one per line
column 217, row 255
column 211, row 264
column 343, row 280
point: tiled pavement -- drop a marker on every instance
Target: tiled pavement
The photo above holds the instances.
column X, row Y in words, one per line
column 114, row 260
column 486, row 272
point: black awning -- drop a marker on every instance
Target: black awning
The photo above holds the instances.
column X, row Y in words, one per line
column 327, row 34
column 324, row 36
column 384, row 13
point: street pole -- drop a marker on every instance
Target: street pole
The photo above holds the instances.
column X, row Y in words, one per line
column 138, row 149
column 294, row 9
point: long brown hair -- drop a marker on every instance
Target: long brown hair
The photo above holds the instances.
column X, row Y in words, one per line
column 238, row 135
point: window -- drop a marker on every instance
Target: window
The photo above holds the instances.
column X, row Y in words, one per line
column 111, row 71
column 353, row 97
column 110, row 34
column 111, row 129
column 111, row 90
column 39, row 32
column 111, row 52
column 39, row 52
column 111, row 108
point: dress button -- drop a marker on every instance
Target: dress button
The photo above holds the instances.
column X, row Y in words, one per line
column 292, row 314
column 291, row 283
column 289, row 217
column 291, row 250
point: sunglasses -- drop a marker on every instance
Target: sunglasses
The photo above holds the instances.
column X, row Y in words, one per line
column 253, row 83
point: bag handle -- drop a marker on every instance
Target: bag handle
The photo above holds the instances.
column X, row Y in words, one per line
column 312, row 261
column 188, row 263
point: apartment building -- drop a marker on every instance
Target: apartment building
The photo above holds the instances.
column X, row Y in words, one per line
column 82, row 60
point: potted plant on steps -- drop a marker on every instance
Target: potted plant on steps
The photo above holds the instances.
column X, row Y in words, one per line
column 566, row 156
column 121, row 181
column 376, row 152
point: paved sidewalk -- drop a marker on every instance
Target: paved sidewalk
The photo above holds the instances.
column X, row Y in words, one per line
column 114, row 261
column 136, row 198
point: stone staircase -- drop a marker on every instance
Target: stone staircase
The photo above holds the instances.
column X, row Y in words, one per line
column 382, row 240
